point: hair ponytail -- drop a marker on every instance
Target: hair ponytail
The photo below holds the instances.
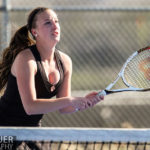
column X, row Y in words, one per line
column 20, row 41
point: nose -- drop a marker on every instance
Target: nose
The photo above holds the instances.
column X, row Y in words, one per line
column 55, row 25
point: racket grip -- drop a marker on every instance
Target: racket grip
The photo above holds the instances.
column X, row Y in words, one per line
column 102, row 93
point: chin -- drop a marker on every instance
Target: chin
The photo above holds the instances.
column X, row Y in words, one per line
column 57, row 39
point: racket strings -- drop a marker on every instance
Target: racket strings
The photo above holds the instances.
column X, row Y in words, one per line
column 137, row 71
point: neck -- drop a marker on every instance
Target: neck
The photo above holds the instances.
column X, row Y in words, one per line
column 46, row 52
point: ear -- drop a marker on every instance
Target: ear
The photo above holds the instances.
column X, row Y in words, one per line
column 34, row 33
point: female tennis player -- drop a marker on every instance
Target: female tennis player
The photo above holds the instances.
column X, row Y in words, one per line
column 32, row 71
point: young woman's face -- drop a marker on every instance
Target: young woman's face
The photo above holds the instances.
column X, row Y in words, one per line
column 47, row 26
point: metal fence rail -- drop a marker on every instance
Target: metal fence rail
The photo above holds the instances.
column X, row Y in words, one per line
column 99, row 35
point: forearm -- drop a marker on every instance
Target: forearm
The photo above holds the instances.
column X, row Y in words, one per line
column 67, row 110
column 42, row 106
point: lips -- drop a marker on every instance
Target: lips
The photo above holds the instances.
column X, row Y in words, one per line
column 55, row 33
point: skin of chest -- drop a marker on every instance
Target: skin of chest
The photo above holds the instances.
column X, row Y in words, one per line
column 52, row 73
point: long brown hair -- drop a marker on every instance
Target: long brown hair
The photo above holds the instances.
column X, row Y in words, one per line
column 20, row 41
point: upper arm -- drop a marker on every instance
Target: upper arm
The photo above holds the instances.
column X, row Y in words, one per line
column 65, row 88
column 24, row 68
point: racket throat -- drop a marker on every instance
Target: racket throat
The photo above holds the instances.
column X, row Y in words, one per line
column 124, row 90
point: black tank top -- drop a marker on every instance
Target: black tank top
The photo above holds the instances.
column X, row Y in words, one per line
column 12, row 112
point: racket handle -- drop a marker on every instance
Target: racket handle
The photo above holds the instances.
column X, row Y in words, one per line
column 103, row 92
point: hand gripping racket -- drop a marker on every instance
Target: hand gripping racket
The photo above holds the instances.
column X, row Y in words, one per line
column 135, row 73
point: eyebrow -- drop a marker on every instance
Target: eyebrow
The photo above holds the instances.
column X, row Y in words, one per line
column 50, row 19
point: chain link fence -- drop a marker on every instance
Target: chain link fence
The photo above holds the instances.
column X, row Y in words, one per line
column 98, row 35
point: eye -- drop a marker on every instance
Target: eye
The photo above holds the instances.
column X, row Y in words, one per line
column 48, row 22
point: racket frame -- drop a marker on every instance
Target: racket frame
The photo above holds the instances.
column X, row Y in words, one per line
column 121, row 75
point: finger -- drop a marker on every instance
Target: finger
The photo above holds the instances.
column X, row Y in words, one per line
column 89, row 103
column 92, row 101
column 91, row 94
column 97, row 99
column 101, row 97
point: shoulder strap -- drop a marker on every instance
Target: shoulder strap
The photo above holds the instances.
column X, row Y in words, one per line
column 35, row 53
column 40, row 67
column 59, row 60
column 60, row 66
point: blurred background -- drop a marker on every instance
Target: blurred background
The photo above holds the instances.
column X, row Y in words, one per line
column 99, row 35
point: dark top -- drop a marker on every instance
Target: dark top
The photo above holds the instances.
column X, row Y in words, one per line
column 12, row 112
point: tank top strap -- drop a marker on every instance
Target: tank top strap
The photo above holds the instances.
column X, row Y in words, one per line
column 60, row 65
column 41, row 70
column 40, row 67
column 35, row 53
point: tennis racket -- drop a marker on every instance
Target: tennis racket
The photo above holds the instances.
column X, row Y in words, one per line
column 135, row 73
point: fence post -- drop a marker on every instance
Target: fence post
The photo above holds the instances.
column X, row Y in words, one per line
column 5, row 24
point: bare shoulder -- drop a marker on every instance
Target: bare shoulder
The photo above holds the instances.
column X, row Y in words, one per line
column 25, row 54
column 24, row 59
column 66, row 58
column 66, row 61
